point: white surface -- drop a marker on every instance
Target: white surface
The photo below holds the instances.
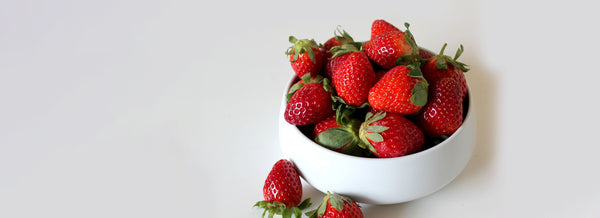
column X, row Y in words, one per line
column 379, row 181
column 169, row 109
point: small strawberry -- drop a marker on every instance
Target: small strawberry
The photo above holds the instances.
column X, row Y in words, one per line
column 441, row 66
column 443, row 114
column 353, row 79
column 392, row 48
column 341, row 138
column 380, row 27
column 401, row 90
column 283, row 191
column 336, row 206
column 310, row 103
column 305, row 56
column 390, row 135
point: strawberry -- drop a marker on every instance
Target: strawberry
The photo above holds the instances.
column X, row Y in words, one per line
column 353, row 79
column 283, row 191
column 310, row 103
column 443, row 114
column 390, row 135
column 336, row 206
column 305, row 56
column 340, row 138
column 392, row 48
column 441, row 66
column 336, row 49
column 400, row 91
column 380, row 27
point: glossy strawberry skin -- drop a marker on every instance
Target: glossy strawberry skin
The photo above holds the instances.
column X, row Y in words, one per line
column 443, row 113
column 393, row 91
column 433, row 74
column 386, row 48
column 304, row 64
column 380, row 27
column 402, row 138
column 353, row 79
column 309, row 105
column 283, row 184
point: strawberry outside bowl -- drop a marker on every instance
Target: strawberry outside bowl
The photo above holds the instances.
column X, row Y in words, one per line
column 379, row 180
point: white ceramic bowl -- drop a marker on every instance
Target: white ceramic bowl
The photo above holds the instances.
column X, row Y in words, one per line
column 379, row 180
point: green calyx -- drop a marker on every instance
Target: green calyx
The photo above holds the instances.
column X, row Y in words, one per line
column 368, row 132
column 348, row 46
column 344, row 138
column 306, row 79
column 302, row 46
column 278, row 208
column 443, row 60
column 420, row 89
column 337, row 201
column 414, row 54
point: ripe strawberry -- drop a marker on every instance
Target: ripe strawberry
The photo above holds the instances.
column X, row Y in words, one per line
column 336, row 206
column 305, row 56
column 399, row 92
column 390, row 135
column 340, row 138
column 309, row 104
column 353, row 79
column 392, row 48
column 283, row 191
column 336, row 50
column 443, row 114
column 380, row 27
column 442, row 66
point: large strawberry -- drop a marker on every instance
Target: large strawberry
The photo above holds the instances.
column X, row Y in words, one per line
column 380, row 27
column 353, row 79
column 390, row 135
column 283, row 191
column 443, row 114
column 305, row 56
column 336, row 206
column 442, row 66
column 310, row 103
column 392, row 48
column 401, row 90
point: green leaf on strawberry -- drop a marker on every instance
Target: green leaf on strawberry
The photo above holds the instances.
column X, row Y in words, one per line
column 335, row 137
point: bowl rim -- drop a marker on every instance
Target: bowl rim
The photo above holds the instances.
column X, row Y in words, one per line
column 378, row 159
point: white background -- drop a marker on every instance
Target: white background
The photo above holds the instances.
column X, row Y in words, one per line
column 169, row 109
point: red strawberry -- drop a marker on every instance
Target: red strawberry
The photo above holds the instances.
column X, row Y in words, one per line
column 283, row 191
column 442, row 66
column 390, row 135
column 305, row 56
column 353, row 79
column 443, row 114
column 336, row 206
column 399, row 92
column 336, row 49
column 340, row 138
column 309, row 104
column 380, row 27
column 425, row 54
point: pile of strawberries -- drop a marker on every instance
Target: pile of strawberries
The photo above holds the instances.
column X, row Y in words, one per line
column 384, row 97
